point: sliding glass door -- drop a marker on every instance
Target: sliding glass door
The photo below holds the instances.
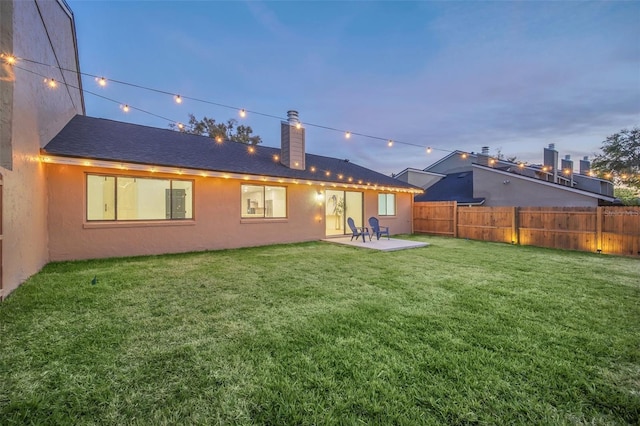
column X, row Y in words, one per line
column 340, row 205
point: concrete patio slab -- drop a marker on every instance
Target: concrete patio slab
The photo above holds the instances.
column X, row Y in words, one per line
column 382, row 244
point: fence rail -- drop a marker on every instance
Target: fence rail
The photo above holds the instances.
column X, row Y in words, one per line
column 613, row 230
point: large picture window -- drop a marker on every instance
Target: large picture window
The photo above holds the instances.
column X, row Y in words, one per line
column 263, row 201
column 135, row 198
column 386, row 204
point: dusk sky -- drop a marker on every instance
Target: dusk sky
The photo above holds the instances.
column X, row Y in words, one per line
column 514, row 76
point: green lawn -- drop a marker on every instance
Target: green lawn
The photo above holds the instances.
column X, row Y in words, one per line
column 460, row 332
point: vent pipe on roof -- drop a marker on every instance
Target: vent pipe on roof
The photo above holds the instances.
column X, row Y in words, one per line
column 292, row 140
column 485, row 150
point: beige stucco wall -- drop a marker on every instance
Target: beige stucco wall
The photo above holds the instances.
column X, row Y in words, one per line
column 36, row 114
column 217, row 223
column 521, row 192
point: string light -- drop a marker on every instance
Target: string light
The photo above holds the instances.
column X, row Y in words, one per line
column 298, row 125
column 9, row 59
column 251, row 149
column 219, row 139
column 102, row 81
column 276, row 157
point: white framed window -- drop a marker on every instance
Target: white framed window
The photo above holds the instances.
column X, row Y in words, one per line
column 120, row 198
column 386, row 204
column 262, row 201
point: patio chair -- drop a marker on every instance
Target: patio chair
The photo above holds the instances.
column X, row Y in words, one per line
column 376, row 229
column 357, row 231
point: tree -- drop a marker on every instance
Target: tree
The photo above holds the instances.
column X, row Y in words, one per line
column 620, row 158
column 628, row 196
column 209, row 127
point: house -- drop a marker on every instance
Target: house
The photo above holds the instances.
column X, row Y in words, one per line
column 119, row 189
column 31, row 114
column 479, row 179
column 76, row 187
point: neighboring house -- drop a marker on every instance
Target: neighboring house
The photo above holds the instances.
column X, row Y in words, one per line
column 118, row 189
column 30, row 115
column 479, row 179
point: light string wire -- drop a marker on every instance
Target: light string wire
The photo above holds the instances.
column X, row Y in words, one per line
column 348, row 133
column 250, row 149
column 11, row 60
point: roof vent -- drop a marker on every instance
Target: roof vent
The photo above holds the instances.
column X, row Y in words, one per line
column 292, row 117
column 485, row 150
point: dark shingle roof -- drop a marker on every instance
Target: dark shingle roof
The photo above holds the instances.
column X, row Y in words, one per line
column 107, row 140
column 453, row 187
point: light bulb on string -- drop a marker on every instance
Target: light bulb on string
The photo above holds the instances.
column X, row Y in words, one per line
column 429, row 150
column 219, row 139
column 102, row 82
column 180, row 126
column 9, row 59
column 50, row 82
column 389, row 143
column 125, row 108
column 243, row 113
column 347, row 135
column 178, row 99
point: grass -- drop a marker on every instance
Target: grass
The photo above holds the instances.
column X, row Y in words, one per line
column 460, row 332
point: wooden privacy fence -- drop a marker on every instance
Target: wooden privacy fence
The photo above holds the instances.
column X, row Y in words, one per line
column 612, row 230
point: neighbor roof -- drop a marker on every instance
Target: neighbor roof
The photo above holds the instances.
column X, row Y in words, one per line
column 107, row 140
column 453, row 187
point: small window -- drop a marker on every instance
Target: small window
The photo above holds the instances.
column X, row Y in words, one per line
column 135, row 198
column 259, row 201
column 386, row 204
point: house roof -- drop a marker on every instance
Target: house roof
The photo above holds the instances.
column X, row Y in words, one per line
column 107, row 140
column 453, row 187
column 511, row 174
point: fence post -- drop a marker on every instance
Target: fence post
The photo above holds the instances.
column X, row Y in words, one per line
column 455, row 219
column 599, row 229
column 515, row 226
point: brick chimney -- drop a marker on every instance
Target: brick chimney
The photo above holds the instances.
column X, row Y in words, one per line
column 566, row 164
column 483, row 158
column 585, row 166
column 551, row 161
column 292, row 152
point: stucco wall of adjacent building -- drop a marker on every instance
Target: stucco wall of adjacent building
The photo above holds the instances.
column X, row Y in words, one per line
column 217, row 222
column 41, row 31
column 508, row 189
